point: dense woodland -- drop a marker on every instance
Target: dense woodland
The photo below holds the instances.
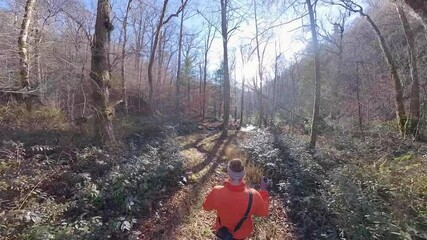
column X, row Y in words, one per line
column 116, row 116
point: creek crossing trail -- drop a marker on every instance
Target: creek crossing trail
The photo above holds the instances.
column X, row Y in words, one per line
column 181, row 216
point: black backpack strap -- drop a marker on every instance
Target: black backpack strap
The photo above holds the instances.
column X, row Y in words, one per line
column 239, row 225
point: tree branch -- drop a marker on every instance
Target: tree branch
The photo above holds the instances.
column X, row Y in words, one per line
column 180, row 9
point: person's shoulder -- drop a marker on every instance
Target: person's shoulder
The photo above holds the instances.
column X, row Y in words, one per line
column 218, row 188
column 253, row 191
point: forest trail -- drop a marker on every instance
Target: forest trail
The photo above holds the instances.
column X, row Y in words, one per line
column 181, row 215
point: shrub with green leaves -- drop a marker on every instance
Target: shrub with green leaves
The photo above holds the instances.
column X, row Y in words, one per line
column 342, row 192
column 98, row 194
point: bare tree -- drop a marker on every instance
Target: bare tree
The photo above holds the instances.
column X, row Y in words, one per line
column 242, row 101
column 273, row 109
column 139, row 28
column 210, row 36
column 261, row 38
column 23, row 45
column 317, row 77
column 335, row 46
column 178, row 72
column 400, row 108
column 100, row 72
column 225, row 35
column 414, row 106
column 153, row 52
column 419, row 7
column 260, row 66
column 188, row 45
column 359, row 105
column 161, row 23
column 123, row 70
column 243, row 58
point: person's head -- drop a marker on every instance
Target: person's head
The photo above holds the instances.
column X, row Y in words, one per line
column 236, row 171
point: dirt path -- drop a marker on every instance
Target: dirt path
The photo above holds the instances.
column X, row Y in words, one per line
column 181, row 215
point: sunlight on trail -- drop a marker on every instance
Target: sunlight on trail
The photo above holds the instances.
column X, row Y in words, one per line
column 192, row 157
column 181, row 215
column 248, row 128
column 197, row 223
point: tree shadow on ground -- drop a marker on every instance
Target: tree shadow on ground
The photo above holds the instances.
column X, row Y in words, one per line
column 301, row 191
column 198, row 141
column 210, row 154
column 180, row 213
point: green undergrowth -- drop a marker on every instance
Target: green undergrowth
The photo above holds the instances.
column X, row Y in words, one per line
column 348, row 189
column 90, row 192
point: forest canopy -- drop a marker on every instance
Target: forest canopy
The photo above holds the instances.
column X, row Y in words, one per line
column 120, row 104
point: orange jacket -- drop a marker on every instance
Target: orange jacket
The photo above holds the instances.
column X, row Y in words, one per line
column 231, row 202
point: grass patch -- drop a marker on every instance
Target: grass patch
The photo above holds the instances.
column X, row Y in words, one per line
column 195, row 177
column 254, row 173
column 402, row 184
column 43, row 118
column 231, row 151
column 208, row 143
column 192, row 157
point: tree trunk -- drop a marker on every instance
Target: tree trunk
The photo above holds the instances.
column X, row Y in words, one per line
column 188, row 81
column 235, row 113
column 243, row 87
column 414, row 106
column 100, row 73
column 260, row 72
column 273, row 111
column 294, row 93
column 123, row 70
column 200, row 88
column 359, row 106
column 420, row 9
column 23, row 45
column 162, row 59
column 205, row 65
column 215, row 109
column 37, row 54
column 241, row 103
column 335, row 111
column 400, row 108
column 139, row 39
column 224, row 31
column 178, row 72
column 160, row 63
column 208, row 44
column 200, row 78
column 220, row 110
column 153, row 53
column 317, row 77
column 261, row 105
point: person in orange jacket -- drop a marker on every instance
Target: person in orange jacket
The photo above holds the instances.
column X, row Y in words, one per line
column 231, row 203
